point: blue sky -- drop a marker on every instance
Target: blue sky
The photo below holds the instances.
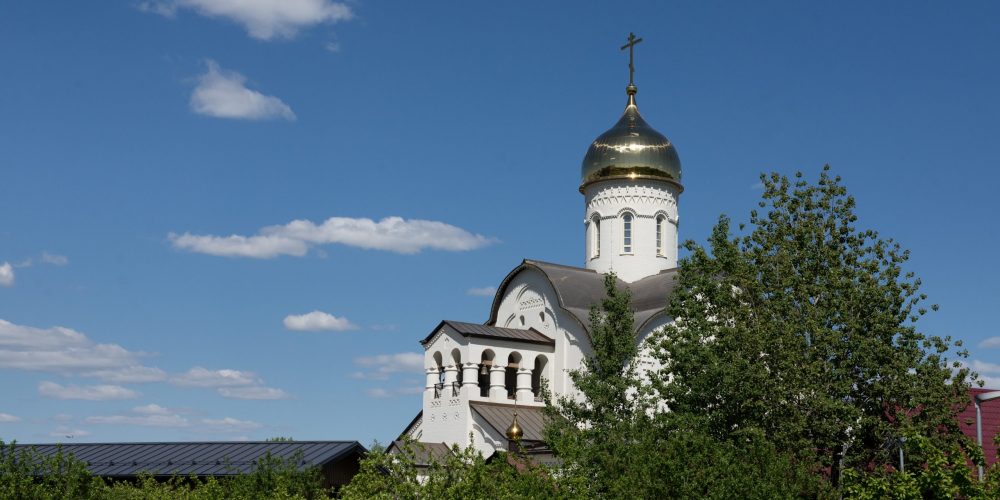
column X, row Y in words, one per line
column 424, row 149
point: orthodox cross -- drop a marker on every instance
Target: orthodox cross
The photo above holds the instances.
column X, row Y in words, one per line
column 632, row 40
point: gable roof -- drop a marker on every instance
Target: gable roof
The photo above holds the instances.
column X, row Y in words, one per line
column 223, row 458
column 530, row 335
column 577, row 289
column 531, row 419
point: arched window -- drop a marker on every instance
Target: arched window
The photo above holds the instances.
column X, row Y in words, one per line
column 510, row 380
column 595, row 237
column 456, row 358
column 538, row 376
column 484, row 373
column 659, row 234
column 439, row 364
column 627, row 233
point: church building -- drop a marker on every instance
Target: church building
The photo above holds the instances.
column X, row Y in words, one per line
column 486, row 380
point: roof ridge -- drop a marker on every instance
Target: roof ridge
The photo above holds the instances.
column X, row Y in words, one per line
column 564, row 266
column 487, row 325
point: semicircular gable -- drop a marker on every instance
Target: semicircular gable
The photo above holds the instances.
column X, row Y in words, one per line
column 577, row 289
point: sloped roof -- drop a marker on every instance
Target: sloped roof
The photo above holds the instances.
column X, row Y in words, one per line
column 530, row 335
column 222, row 458
column 417, row 420
column 421, row 453
column 531, row 419
column 577, row 289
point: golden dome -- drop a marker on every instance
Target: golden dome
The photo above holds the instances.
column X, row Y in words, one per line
column 631, row 150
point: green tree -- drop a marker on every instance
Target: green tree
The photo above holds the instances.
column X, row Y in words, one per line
column 940, row 473
column 803, row 330
column 25, row 473
column 462, row 474
column 600, row 436
column 614, row 442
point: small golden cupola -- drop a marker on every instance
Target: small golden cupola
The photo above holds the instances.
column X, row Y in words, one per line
column 514, row 432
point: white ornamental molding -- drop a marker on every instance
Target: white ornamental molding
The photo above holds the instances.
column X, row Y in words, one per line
column 633, row 195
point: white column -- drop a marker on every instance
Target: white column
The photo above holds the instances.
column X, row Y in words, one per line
column 524, row 393
column 432, row 379
column 470, row 375
column 450, row 377
column 497, row 390
column 470, row 379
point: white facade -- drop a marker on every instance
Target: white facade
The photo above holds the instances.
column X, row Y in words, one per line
column 537, row 331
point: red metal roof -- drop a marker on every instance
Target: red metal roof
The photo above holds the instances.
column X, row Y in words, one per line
column 991, row 423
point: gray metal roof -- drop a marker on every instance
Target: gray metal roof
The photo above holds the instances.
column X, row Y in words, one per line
column 578, row 289
column 202, row 459
column 421, row 453
column 531, row 419
column 530, row 335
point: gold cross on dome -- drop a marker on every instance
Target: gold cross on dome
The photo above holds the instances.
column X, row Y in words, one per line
column 632, row 40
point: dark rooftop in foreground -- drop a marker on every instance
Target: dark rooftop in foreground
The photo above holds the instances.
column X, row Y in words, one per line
column 222, row 458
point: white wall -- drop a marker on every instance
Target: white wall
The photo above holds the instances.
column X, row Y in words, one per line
column 530, row 295
column 645, row 199
column 447, row 416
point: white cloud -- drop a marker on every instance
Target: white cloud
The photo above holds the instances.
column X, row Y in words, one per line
column 165, row 9
column 151, row 409
column 7, row 418
column 990, row 382
column 154, row 415
column 63, row 350
column 54, row 259
column 381, row 366
column 392, row 234
column 377, row 392
column 989, row 373
column 984, row 367
column 230, row 424
column 486, row 291
column 263, row 19
column 150, row 415
column 63, row 431
column 6, row 274
column 203, row 377
column 381, row 393
column 318, row 321
column 129, row 375
column 332, row 47
column 256, row 247
column 169, row 420
column 990, row 342
column 222, row 94
column 253, row 392
column 87, row 392
column 232, row 384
